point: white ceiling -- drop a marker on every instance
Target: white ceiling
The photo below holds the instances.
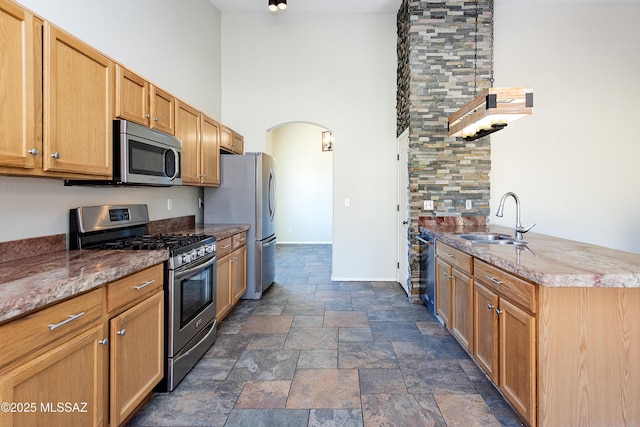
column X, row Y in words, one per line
column 313, row 6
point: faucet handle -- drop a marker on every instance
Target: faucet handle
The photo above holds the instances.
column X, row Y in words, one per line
column 524, row 230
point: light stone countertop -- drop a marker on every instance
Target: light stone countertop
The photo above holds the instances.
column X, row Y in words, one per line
column 32, row 283
column 546, row 260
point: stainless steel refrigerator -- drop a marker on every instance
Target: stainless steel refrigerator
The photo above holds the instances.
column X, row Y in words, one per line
column 247, row 195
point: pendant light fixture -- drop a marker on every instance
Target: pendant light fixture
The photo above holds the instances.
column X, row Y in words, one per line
column 275, row 5
column 494, row 108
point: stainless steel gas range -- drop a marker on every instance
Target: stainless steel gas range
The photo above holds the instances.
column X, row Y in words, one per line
column 190, row 277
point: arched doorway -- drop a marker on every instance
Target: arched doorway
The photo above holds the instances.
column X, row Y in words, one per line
column 304, row 182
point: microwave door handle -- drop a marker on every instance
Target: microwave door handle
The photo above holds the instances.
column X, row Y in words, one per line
column 177, row 157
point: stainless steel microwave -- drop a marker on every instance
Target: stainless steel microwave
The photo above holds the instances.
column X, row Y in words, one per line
column 142, row 156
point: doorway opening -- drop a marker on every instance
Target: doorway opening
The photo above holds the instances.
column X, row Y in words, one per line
column 304, row 183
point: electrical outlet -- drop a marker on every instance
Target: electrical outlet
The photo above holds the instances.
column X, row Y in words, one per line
column 469, row 204
column 169, row 204
column 428, row 205
column 200, row 204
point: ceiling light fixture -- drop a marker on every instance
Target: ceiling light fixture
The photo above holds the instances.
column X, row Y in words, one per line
column 490, row 111
column 275, row 5
column 494, row 108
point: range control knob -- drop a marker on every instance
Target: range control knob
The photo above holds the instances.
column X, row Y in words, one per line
column 200, row 252
column 210, row 248
column 186, row 258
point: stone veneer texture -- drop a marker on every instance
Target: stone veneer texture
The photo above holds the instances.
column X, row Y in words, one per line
column 444, row 60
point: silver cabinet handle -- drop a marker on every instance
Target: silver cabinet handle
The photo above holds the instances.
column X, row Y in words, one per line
column 494, row 280
column 155, row 119
column 148, row 116
column 498, row 311
column 226, row 247
column 449, row 255
column 33, row 151
column 64, row 322
column 121, row 332
column 490, row 307
column 104, row 341
column 144, row 285
column 56, row 155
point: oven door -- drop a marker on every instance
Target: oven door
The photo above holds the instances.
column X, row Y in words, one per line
column 192, row 302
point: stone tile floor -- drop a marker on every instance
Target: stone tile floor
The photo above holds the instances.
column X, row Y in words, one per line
column 313, row 352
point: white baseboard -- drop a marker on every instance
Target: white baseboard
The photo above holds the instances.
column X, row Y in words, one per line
column 363, row 279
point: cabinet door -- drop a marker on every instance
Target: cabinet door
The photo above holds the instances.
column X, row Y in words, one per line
column 210, row 152
column 517, row 359
column 443, row 291
column 239, row 272
column 78, row 110
column 238, row 143
column 132, row 96
column 226, row 138
column 188, row 130
column 162, row 110
column 462, row 309
column 73, row 374
column 20, row 87
column 485, row 344
column 223, row 287
column 136, row 360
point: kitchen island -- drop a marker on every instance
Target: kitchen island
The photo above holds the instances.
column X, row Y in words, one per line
column 560, row 338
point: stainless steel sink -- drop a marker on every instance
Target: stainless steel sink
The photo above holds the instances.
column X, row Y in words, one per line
column 491, row 238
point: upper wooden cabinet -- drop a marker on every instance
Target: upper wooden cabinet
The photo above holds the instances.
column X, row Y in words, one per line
column 78, row 108
column 209, row 151
column 231, row 141
column 140, row 101
column 20, row 88
column 188, row 131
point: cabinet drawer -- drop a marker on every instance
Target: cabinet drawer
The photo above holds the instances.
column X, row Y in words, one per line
column 224, row 247
column 506, row 285
column 134, row 288
column 238, row 240
column 33, row 332
column 455, row 257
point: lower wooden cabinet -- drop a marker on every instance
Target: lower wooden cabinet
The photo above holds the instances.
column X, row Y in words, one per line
column 66, row 386
column 505, row 336
column 136, row 357
column 462, row 309
column 87, row 361
column 443, row 291
column 231, row 273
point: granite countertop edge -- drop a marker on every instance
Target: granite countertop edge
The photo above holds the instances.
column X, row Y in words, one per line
column 546, row 260
column 33, row 283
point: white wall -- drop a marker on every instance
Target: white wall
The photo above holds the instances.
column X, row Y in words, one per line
column 337, row 70
column 173, row 43
column 574, row 162
column 304, row 187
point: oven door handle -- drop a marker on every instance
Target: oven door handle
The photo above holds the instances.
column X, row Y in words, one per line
column 182, row 273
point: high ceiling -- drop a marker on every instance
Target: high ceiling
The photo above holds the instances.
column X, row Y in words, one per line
column 313, row 6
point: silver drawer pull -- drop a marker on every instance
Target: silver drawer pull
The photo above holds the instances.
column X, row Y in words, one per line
column 490, row 307
column 64, row 322
column 226, row 247
column 104, row 341
column 449, row 255
column 243, row 239
column 121, row 332
column 498, row 311
column 494, row 280
column 144, row 285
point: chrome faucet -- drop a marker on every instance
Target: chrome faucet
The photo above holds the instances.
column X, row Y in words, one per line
column 519, row 230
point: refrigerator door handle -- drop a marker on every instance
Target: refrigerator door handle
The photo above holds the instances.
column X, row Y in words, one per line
column 272, row 195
